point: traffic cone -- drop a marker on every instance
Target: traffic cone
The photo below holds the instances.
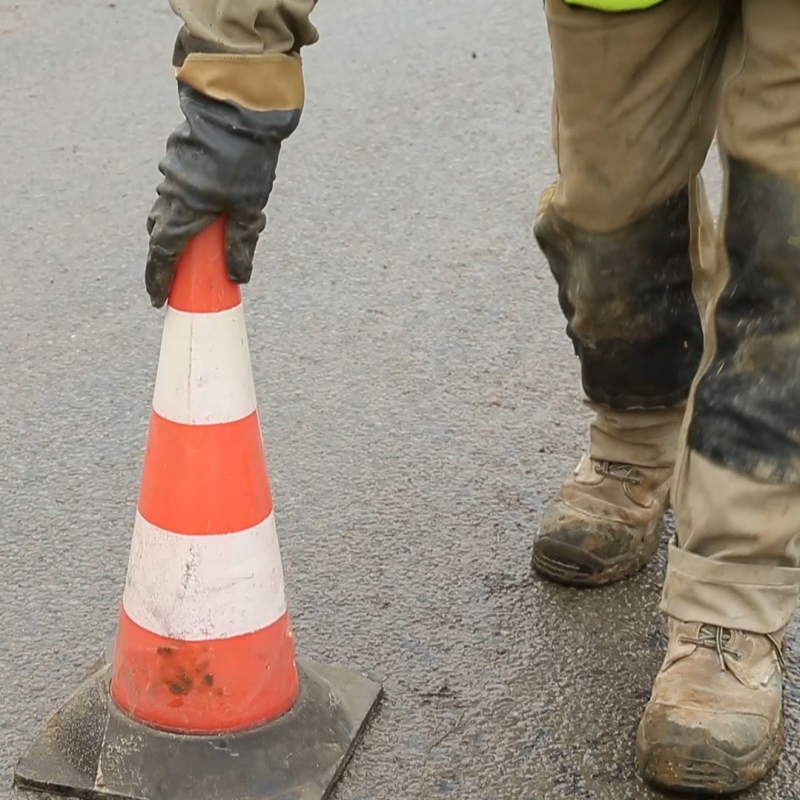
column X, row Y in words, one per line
column 203, row 696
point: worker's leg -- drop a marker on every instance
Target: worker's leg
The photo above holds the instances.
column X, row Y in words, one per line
column 634, row 113
column 714, row 721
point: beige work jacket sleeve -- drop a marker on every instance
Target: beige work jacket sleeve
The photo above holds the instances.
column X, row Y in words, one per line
column 246, row 51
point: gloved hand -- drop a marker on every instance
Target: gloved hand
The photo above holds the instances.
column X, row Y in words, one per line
column 221, row 159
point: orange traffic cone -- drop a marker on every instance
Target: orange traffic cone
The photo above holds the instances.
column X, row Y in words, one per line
column 204, row 646
column 204, row 641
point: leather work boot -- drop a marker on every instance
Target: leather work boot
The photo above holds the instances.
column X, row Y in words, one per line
column 605, row 523
column 714, row 721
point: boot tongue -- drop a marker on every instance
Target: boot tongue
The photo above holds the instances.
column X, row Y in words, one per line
column 701, row 641
column 750, row 658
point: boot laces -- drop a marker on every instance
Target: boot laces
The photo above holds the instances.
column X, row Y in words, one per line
column 717, row 638
column 625, row 473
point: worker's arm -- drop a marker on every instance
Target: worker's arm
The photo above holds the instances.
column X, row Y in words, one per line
column 253, row 27
column 241, row 90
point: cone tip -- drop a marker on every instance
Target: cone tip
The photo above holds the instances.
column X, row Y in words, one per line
column 201, row 283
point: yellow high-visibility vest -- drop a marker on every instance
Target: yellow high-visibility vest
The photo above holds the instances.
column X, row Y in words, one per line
column 614, row 5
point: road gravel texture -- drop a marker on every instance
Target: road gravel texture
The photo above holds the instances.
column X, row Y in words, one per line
column 419, row 399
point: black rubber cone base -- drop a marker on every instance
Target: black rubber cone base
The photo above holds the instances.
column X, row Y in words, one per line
column 91, row 749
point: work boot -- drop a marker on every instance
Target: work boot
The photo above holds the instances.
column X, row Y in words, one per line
column 605, row 523
column 714, row 721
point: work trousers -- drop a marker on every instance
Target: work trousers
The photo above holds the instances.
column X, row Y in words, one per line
column 688, row 335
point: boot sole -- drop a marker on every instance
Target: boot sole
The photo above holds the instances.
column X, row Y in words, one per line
column 572, row 566
column 707, row 770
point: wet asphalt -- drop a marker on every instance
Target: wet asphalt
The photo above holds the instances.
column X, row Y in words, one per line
column 419, row 399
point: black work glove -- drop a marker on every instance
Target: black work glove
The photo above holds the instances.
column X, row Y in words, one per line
column 221, row 159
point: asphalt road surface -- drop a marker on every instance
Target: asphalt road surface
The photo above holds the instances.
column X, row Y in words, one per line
column 419, row 399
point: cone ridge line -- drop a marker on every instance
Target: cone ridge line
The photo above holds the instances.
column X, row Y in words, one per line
column 201, row 588
column 204, row 373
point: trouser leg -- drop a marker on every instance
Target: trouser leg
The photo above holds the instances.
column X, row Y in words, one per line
column 634, row 116
column 627, row 232
column 736, row 559
column 714, row 720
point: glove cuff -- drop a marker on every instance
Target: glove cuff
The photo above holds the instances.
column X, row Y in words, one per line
column 255, row 82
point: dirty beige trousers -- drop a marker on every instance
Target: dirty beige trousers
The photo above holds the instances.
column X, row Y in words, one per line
column 638, row 97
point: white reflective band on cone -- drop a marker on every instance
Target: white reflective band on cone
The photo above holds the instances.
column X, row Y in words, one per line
column 204, row 374
column 198, row 588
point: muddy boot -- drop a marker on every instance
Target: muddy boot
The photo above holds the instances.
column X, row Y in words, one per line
column 714, row 722
column 605, row 524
